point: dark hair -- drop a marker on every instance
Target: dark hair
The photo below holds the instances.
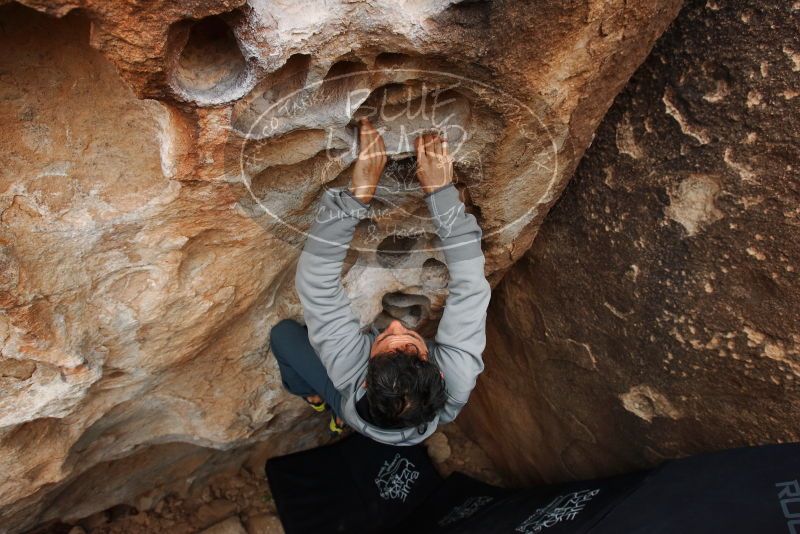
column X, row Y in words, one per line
column 403, row 390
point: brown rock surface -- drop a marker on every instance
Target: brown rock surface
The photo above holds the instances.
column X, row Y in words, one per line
column 657, row 313
column 264, row 524
column 140, row 272
column 232, row 525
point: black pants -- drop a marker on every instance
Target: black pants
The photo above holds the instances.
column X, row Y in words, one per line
column 302, row 372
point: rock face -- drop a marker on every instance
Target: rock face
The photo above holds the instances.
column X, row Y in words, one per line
column 656, row 314
column 161, row 161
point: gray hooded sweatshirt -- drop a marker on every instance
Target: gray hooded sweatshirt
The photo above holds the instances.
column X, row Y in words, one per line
column 335, row 332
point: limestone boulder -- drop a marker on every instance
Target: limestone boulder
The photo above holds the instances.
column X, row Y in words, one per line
column 160, row 165
column 656, row 314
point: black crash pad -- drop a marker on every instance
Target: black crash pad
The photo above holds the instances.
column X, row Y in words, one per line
column 343, row 488
column 354, row 485
column 459, row 507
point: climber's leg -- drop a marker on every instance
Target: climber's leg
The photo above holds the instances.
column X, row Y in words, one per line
column 302, row 371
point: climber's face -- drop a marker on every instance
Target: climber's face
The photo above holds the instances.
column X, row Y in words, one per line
column 397, row 337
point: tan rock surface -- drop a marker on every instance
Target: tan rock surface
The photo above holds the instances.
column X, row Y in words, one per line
column 657, row 313
column 232, row 525
column 264, row 524
column 141, row 272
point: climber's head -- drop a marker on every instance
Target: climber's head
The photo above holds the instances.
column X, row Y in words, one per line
column 398, row 337
column 404, row 389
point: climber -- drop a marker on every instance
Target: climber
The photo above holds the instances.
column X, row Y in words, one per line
column 392, row 386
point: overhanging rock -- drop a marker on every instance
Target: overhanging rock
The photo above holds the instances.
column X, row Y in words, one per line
column 152, row 215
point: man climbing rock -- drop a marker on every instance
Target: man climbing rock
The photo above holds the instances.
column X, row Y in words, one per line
column 392, row 386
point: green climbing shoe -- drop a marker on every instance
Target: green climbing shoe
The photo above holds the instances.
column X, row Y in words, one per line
column 317, row 407
column 335, row 427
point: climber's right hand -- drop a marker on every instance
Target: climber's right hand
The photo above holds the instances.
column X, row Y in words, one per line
column 434, row 164
column 370, row 163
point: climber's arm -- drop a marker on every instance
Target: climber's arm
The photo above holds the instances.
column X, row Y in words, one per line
column 461, row 336
column 333, row 329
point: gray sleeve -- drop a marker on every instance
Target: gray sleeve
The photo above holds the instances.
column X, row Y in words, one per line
column 461, row 336
column 333, row 329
